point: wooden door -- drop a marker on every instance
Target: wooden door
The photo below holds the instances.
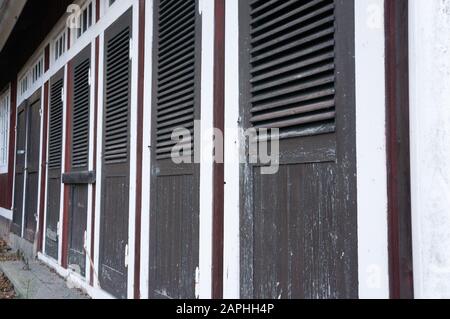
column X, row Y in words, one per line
column 78, row 178
column 27, row 168
column 174, row 215
column 54, row 165
column 116, row 158
column 16, row 226
column 32, row 166
column 298, row 226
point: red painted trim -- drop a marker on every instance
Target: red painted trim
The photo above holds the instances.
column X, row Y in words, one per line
column 67, row 155
column 398, row 151
column 47, row 58
column 97, row 54
column 218, row 168
column 12, row 143
column 139, row 149
column 43, row 170
column 97, row 10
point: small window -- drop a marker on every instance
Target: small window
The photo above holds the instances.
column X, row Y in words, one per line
column 37, row 70
column 24, row 84
column 59, row 45
column 85, row 19
column 4, row 132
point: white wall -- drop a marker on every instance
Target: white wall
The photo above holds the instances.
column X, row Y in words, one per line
column 429, row 29
column 371, row 149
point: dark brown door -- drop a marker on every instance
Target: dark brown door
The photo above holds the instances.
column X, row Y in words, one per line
column 16, row 227
column 79, row 176
column 298, row 226
column 55, row 138
column 32, row 168
column 116, row 158
column 174, row 215
column 27, row 168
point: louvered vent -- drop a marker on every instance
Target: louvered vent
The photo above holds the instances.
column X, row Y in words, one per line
column 176, row 73
column 292, row 64
column 117, row 98
column 56, row 125
column 80, row 137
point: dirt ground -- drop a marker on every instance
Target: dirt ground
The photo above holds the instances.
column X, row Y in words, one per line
column 6, row 288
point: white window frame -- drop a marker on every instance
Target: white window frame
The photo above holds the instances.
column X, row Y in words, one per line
column 5, row 103
column 31, row 78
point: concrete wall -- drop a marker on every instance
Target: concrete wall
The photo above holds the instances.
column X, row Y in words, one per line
column 430, row 145
column 4, row 228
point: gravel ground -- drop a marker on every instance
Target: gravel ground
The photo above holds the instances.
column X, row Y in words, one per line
column 6, row 288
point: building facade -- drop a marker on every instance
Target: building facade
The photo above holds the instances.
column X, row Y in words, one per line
column 96, row 182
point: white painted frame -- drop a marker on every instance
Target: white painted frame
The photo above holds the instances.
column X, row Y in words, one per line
column 6, row 96
column 371, row 152
column 232, row 144
column 146, row 151
column 204, row 276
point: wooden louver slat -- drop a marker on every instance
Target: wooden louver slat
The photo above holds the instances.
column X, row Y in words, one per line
column 56, row 126
column 80, row 142
column 176, row 73
column 292, row 64
column 117, row 98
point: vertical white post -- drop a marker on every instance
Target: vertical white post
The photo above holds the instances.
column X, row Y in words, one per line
column 371, row 149
column 231, row 284
column 146, row 151
column 203, row 288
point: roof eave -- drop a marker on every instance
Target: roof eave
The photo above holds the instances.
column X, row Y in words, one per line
column 9, row 14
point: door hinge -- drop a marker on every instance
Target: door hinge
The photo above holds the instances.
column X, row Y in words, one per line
column 62, row 95
column 57, row 229
column 126, row 256
column 85, row 240
column 89, row 77
column 197, row 283
column 131, row 48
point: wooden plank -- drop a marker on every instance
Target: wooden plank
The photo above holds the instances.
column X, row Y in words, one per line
column 398, row 144
column 218, row 168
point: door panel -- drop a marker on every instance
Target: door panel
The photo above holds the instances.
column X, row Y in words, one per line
column 16, row 227
column 79, row 160
column 77, row 227
column 32, row 179
column 116, row 158
column 27, row 168
column 174, row 213
column 298, row 226
column 55, row 139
